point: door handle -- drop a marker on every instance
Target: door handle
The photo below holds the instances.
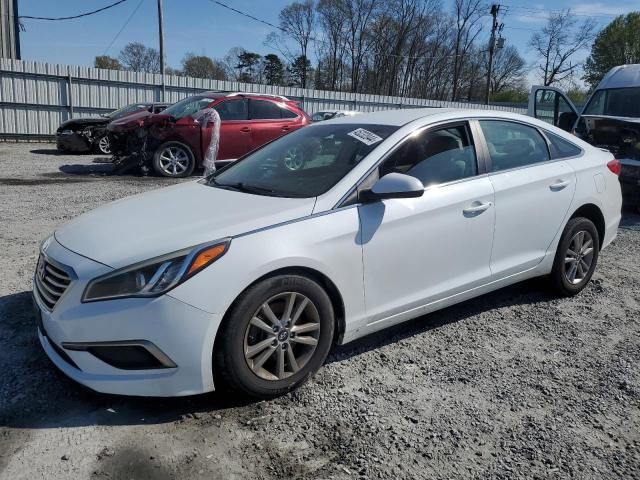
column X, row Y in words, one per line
column 245, row 129
column 476, row 208
column 286, row 128
column 559, row 185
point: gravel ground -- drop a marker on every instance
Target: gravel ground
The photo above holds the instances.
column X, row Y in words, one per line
column 514, row 384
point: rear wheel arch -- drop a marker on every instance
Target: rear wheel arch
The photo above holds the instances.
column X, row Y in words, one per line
column 593, row 213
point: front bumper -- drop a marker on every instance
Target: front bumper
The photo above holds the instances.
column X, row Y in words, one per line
column 181, row 332
column 73, row 142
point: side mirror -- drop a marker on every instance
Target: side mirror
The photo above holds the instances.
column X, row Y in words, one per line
column 393, row 185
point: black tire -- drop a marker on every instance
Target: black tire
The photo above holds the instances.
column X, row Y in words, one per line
column 559, row 275
column 229, row 359
column 159, row 165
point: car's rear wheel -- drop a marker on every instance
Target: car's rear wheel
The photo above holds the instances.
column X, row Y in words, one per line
column 173, row 159
column 576, row 256
column 276, row 337
column 103, row 145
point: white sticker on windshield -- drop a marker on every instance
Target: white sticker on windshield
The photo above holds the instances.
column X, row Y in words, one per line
column 365, row 136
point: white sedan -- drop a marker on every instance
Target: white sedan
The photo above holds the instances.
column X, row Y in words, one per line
column 249, row 277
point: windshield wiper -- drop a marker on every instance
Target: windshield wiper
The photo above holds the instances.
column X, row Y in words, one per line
column 244, row 187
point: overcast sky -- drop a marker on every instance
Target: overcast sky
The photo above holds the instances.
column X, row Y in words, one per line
column 202, row 27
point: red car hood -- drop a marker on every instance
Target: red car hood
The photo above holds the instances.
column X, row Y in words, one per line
column 133, row 121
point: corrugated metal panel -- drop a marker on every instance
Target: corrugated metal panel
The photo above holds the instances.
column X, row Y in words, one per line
column 35, row 97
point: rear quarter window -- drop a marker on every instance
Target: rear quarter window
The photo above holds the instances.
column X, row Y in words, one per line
column 561, row 148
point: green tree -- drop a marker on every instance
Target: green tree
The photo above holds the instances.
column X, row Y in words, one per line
column 247, row 66
column 107, row 62
column 201, row 66
column 298, row 72
column 617, row 44
column 273, row 69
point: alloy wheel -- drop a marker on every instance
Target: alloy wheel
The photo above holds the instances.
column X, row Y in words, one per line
column 282, row 336
column 578, row 257
column 174, row 160
column 104, row 146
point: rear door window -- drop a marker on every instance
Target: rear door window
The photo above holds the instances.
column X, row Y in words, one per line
column 513, row 145
column 264, row 110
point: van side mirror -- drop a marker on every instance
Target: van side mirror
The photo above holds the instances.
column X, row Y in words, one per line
column 393, row 185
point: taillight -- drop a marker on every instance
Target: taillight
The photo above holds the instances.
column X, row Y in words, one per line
column 615, row 166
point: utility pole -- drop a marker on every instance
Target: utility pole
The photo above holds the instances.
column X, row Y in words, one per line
column 161, row 35
column 492, row 45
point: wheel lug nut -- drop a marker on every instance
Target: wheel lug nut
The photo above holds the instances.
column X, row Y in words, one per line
column 284, row 346
column 274, row 343
column 275, row 328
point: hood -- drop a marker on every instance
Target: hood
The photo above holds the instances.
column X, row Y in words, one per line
column 619, row 135
column 169, row 219
column 130, row 122
column 83, row 122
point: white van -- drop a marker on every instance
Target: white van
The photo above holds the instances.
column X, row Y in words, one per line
column 610, row 119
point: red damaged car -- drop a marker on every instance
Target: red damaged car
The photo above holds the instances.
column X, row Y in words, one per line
column 176, row 143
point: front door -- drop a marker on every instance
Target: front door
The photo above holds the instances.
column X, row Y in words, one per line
column 551, row 105
column 420, row 250
column 235, row 129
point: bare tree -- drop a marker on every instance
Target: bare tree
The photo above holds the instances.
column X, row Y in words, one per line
column 508, row 69
column 359, row 15
column 466, row 16
column 560, row 39
column 139, row 58
column 297, row 20
column 332, row 23
column 201, row 66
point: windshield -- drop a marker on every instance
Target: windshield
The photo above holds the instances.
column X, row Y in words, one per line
column 615, row 102
column 188, row 106
column 320, row 116
column 121, row 112
column 305, row 163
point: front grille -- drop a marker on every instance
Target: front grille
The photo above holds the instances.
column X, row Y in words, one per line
column 51, row 282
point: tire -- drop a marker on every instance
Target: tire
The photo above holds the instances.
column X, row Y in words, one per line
column 240, row 365
column 569, row 277
column 174, row 160
column 103, row 146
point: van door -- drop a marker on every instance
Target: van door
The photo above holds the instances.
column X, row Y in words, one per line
column 551, row 105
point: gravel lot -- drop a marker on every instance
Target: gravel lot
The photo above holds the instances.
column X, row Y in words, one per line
column 515, row 384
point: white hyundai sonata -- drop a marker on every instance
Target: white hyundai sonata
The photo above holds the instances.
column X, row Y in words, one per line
column 250, row 276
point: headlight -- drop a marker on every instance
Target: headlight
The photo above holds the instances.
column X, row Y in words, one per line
column 156, row 276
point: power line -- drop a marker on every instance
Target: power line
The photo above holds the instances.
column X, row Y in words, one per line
column 123, row 27
column 86, row 14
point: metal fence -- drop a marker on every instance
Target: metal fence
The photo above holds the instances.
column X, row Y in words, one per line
column 36, row 97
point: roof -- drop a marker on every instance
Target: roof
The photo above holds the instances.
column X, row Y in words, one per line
column 621, row 77
column 392, row 117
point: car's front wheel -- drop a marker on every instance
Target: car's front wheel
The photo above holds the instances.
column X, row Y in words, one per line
column 173, row 159
column 103, row 145
column 276, row 337
column 576, row 256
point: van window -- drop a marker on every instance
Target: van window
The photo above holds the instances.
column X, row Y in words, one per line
column 615, row 102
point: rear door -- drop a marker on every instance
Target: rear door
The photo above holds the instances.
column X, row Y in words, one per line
column 532, row 194
column 268, row 121
column 551, row 105
column 235, row 129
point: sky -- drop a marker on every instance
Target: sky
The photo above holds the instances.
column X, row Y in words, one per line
column 205, row 28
